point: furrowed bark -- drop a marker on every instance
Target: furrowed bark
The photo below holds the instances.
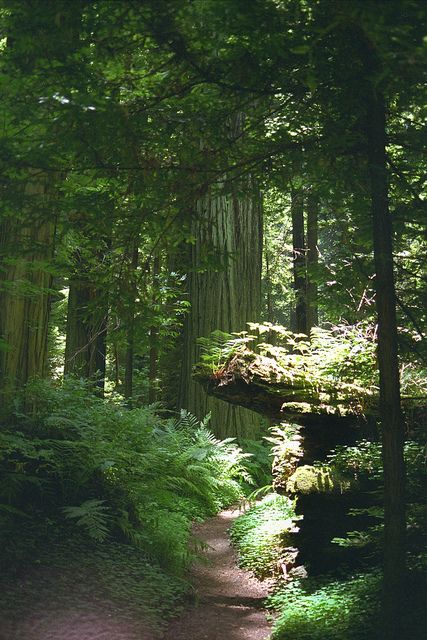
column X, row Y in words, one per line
column 26, row 251
column 312, row 260
column 224, row 288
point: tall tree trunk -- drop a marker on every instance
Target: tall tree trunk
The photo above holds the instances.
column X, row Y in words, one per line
column 228, row 226
column 390, row 411
column 312, row 259
column 98, row 361
column 26, row 246
column 268, row 285
column 116, row 367
column 27, row 241
column 154, row 338
column 87, row 318
column 299, row 265
column 130, row 333
column 78, row 331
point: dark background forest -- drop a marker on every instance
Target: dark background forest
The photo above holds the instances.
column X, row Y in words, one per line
column 212, row 280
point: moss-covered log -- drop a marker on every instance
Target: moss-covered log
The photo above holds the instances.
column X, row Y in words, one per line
column 259, row 383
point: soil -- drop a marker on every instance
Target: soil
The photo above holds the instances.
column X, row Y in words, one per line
column 228, row 600
column 71, row 602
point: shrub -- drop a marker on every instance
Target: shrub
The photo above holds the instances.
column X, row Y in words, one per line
column 260, row 534
column 72, row 459
column 338, row 610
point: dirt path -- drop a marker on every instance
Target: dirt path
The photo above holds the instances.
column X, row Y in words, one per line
column 228, row 603
column 73, row 596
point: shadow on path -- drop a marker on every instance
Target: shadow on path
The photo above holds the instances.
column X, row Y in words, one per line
column 229, row 601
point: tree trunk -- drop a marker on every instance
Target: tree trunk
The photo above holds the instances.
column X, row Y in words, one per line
column 99, row 353
column 78, row 332
column 390, row 404
column 299, row 265
column 312, row 260
column 25, row 281
column 283, row 393
column 87, row 316
column 116, row 367
column 130, row 333
column 268, row 283
column 154, row 337
column 224, row 287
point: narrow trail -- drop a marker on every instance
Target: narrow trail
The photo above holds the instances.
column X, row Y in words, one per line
column 229, row 601
column 70, row 603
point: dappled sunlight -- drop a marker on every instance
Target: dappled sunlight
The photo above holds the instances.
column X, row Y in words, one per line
column 229, row 600
column 213, row 389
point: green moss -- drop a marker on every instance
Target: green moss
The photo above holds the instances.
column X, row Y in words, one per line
column 298, row 407
column 308, row 479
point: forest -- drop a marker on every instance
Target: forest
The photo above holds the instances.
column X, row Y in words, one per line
column 213, row 312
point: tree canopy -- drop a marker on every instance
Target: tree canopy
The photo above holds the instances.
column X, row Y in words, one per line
column 172, row 170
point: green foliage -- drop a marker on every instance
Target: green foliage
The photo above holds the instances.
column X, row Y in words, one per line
column 286, row 450
column 339, row 353
column 260, row 534
column 258, row 462
column 335, row 610
column 92, row 516
column 342, row 609
column 90, row 572
column 338, row 356
column 111, row 472
column 363, row 461
column 219, row 346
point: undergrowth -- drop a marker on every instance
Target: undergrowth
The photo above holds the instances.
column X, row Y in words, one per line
column 334, row 610
column 88, row 575
column 75, row 466
column 260, row 534
column 342, row 605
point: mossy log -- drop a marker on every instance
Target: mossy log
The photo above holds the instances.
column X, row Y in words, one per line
column 259, row 383
column 308, row 479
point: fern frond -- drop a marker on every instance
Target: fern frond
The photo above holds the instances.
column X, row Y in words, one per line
column 92, row 515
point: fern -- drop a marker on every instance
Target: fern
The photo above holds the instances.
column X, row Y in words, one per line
column 92, row 515
column 127, row 470
column 219, row 346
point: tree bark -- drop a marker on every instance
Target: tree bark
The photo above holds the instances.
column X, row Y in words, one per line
column 312, row 260
column 154, row 338
column 130, row 332
column 299, row 263
column 268, row 284
column 224, row 287
column 87, row 317
column 390, row 403
column 26, row 249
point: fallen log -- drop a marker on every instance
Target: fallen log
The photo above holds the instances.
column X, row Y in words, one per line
column 261, row 384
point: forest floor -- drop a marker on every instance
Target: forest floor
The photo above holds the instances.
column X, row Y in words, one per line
column 70, row 600
column 228, row 600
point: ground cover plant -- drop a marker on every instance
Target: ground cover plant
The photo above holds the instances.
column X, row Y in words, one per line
column 344, row 604
column 261, row 534
column 128, row 483
column 112, row 580
column 176, row 170
column 335, row 610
